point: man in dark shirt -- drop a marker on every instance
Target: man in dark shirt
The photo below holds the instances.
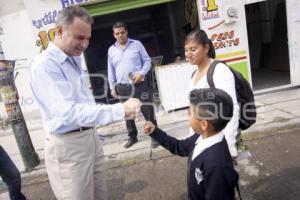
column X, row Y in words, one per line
column 211, row 175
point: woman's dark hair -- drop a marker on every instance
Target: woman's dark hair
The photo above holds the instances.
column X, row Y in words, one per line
column 213, row 105
column 201, row 37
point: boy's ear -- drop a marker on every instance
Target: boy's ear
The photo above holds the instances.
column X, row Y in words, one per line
column 204, row 125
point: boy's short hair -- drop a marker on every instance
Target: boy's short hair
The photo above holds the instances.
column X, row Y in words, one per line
column 213, row 105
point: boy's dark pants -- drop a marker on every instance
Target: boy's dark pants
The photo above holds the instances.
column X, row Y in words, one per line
column 11, row 176
column 144, row 94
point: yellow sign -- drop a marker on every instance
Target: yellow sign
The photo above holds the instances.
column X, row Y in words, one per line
column 211, row 5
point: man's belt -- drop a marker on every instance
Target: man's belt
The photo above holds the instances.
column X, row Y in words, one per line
column 80, row 129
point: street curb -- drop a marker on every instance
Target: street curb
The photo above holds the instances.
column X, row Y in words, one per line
column 274, row 128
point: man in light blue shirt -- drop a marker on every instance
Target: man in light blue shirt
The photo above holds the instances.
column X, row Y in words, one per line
column 128, row 63
column 73, row 152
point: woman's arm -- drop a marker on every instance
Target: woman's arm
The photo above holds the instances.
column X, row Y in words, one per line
column 224, row 79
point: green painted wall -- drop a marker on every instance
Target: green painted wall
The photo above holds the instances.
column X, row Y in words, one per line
column 242, row 68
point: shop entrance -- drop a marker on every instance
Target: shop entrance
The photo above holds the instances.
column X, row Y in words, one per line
column 160, row 27
column 268, row 44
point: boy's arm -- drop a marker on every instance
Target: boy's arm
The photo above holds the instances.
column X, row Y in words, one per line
column 218, row 183
column 175, row 146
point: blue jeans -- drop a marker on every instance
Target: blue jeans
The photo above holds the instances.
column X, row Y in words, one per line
column 11, row 176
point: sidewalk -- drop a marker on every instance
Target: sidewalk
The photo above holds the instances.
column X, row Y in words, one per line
column 271, row 173
column 277, row 111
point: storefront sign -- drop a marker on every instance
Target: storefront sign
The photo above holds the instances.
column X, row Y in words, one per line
column 44, row 15
column 225, row 39
column 209, row 10
column 67, row 3
column 227, row 32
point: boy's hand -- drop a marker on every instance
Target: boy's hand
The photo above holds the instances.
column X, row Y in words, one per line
column 149, row 127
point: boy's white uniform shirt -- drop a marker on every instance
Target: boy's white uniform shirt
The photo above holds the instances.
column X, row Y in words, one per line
column 224, row 80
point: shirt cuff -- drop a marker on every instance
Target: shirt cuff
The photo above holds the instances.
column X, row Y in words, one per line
column 118, row 112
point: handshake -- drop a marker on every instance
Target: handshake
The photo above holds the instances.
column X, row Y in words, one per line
column 132, row 108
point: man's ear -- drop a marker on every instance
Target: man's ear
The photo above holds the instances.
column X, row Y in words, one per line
column 114, row 35
column 58, row 31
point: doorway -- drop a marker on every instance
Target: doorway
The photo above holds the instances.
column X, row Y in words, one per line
column 268, row 44
column 161, row 28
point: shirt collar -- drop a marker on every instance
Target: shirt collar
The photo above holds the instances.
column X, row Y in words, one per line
column 128, row 41
column 202, row 144
column 57, row 52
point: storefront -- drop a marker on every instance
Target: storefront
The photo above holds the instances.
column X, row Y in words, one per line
column 257, row 37
column 250, row 36
column 160, row 25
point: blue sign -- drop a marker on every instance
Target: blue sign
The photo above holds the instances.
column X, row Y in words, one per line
column 67, row 3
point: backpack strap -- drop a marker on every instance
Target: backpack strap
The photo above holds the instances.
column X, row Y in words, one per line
column 210, row 73
column 194, row 72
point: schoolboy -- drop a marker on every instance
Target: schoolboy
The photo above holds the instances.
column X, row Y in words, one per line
column 211, row 175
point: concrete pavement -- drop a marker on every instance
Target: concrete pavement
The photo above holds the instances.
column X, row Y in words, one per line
column 272, row 173
column 277, row 112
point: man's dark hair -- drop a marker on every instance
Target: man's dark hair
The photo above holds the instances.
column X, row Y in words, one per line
column 213, row 105
column 67, row 15
column 119, row 25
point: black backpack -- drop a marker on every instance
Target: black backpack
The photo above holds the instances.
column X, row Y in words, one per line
column 244, row 95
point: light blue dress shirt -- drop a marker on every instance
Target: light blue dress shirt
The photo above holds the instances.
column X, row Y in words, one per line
column 122, row 61
column 60, row 88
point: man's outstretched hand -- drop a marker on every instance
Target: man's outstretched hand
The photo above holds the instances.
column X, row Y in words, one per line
column 132, row 108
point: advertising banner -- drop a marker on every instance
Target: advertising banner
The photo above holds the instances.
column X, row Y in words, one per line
column 225, row 23
column 8, row 91
column 43, row 16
